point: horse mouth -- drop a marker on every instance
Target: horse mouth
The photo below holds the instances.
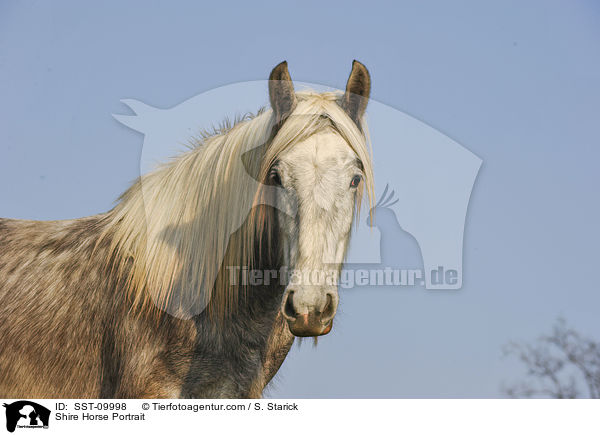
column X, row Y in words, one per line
column 309, row 326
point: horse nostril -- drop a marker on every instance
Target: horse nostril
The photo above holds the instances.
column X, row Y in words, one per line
column 288, row 308
column 329, row 309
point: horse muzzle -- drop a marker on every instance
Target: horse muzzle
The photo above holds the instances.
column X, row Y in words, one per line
column 310, row 321
column 309, row 325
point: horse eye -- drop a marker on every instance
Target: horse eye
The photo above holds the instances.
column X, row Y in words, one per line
column 274, row 177
column 355, row 181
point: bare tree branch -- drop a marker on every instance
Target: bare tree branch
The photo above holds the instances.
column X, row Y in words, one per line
column 557, row 365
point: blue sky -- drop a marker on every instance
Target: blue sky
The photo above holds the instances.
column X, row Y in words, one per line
column 516, row 83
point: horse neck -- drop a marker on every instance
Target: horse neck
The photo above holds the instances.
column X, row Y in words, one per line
column 264, row 298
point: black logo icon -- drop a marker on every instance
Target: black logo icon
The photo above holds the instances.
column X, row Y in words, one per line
column 26, row 414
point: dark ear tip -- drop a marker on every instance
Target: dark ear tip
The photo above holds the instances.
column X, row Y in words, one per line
column 279, row 71
column 359, row 65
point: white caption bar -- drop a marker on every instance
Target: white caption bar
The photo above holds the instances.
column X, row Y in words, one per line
column 302, row 416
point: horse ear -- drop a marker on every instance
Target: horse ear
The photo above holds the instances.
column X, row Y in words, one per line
column 357, row 93
column 281, row 93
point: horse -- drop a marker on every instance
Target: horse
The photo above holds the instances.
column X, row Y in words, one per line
column 127, row 303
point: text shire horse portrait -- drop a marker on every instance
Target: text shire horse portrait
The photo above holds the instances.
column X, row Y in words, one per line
column 149, row 299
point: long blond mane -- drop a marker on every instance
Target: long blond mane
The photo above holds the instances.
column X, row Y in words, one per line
column 172, row 230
